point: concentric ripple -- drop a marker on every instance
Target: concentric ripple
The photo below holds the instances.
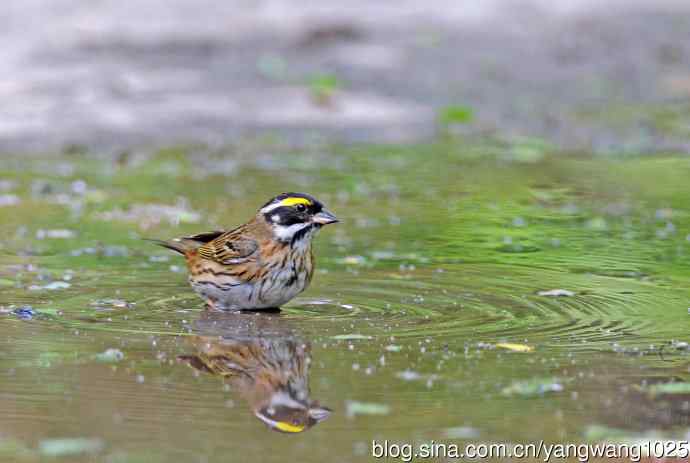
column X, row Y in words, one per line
column 458, row 304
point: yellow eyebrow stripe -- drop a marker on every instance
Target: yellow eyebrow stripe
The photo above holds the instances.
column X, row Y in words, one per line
column 287, row 427
column 293, row 201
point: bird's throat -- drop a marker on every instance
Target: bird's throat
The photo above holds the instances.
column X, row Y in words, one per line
column 295, row 233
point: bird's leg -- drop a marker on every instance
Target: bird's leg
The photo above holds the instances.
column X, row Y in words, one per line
column 211, row 304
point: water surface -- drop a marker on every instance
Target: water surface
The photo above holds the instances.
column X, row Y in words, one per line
column 470, row 289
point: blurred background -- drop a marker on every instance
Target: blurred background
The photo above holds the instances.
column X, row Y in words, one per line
column 582, row 74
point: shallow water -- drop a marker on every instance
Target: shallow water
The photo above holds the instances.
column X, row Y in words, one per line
column 470, row 289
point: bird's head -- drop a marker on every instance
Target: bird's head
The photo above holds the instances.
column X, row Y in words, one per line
column 287, row 415
column 295, row 216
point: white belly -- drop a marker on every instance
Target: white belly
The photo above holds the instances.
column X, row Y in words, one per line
column 272, row 292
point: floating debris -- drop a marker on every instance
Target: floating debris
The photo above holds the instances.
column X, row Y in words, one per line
column 353, row 260
column 351, row 337
column 599, row 433
column 485, row 346
column 25, row 313
column 519, row 222
column 354, row 408
column 663, row 214
column 107, row 304
column 398, row 276
column 515, row 347
column 110, row 356
column 70, row 446
column 55, row 285
column 668, row 389
column 408, row 375
column 533, row 387
column 320, row 302
column 556, row 293
column 7, row 185
column 149, row 215
column 383, row 255
column 106, row 251
column 597, row 223
column 393, row 348
column 509, row 246
column 680, row 345
column 61, row 234
column 461, row 432
column 9, row 200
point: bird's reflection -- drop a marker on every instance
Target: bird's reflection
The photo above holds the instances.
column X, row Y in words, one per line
column 264, row 361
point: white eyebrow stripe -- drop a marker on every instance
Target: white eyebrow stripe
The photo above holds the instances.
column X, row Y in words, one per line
column 270, row 207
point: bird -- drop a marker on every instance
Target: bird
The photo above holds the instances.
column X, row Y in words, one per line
column 260, row 265
column 264, row 362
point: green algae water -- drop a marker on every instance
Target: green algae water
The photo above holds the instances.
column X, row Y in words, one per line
column 474, row 292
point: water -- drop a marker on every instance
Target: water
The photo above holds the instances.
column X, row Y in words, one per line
column 469, row 290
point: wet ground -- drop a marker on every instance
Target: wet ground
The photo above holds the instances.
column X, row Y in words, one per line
column 581, row 75
column 471, row 288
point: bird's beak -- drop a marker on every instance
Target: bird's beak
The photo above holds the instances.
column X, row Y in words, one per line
column 324, row 217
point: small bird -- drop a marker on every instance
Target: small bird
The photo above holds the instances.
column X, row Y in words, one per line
column 267, row 365
column 262, row 264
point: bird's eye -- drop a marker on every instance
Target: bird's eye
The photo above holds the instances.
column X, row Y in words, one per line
column 301, row 208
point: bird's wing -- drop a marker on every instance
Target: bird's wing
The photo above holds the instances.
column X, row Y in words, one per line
column 205, row 237
column 231, row 247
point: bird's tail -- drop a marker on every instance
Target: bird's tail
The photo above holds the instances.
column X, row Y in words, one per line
column 182, row 246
